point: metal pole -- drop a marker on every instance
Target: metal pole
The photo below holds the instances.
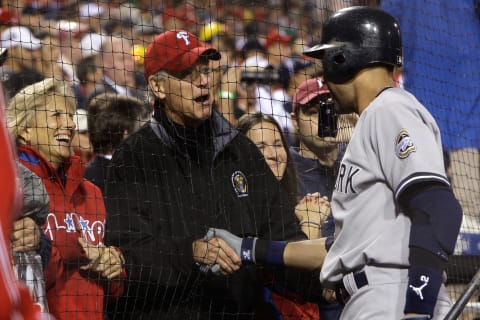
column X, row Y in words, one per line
column 462, row 301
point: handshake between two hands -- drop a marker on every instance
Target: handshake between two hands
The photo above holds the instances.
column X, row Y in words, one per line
column 218, row 252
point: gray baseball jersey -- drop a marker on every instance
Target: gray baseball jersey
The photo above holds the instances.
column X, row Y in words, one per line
column 396, row 143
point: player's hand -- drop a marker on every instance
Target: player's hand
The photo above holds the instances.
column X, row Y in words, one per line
column 25, row 235
column 107, row 261
column 245, row 247
column 313, row 208
column 216, row 252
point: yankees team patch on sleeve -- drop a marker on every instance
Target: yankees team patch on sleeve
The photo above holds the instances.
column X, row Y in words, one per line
column 404, row 144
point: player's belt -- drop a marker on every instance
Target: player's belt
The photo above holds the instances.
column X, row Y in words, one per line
column 359, row 279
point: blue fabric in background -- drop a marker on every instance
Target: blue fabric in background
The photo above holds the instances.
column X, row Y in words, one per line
column 441, row 41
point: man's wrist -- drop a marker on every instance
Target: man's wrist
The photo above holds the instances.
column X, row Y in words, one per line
column 329, row 242
column 310, row 223
column 422, row 291
column 247, row 250
column 270, row 252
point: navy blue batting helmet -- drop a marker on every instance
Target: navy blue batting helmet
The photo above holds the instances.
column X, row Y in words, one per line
column 355, row 38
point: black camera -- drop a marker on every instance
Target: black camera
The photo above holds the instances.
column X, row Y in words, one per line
column 266, row 76
column 327, row 119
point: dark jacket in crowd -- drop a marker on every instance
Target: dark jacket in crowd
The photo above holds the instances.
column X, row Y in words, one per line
column 166, row 186
column 96, row 171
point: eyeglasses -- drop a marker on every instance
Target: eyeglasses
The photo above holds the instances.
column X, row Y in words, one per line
column 192, row 73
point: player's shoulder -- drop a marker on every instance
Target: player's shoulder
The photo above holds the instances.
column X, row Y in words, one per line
column 397, row 102
column 394, row 98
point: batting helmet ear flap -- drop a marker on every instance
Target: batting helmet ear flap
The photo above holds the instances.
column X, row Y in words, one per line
column 339, row 58
column 343, row 62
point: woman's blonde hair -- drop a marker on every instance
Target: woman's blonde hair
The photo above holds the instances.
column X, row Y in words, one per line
column 23, row 106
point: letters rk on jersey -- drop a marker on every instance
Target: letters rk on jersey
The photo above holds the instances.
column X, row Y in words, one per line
column 345, row 179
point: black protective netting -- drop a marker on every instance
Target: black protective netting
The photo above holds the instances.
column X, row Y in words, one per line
column 97, row 49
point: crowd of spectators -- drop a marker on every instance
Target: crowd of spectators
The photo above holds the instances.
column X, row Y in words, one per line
column 90, row 45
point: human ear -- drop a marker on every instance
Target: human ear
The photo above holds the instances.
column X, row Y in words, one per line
column 157, row 86
column 293, row 116
column 24, row 136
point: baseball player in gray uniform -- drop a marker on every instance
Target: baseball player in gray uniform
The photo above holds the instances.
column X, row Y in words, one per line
column 396, row 217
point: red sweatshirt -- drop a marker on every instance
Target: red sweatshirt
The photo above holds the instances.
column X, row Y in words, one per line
column 76, row 210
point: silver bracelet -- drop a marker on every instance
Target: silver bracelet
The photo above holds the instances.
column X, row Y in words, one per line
column 302, row 222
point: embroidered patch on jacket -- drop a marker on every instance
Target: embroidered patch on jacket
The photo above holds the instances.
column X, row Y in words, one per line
column 404, row 144
column 240, row 185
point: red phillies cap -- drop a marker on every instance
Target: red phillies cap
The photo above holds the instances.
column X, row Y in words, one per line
column 8, row 17
column 307, row 91
column 175, row 50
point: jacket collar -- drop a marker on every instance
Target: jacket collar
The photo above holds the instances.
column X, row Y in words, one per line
column 74, row 169
column 223, row 132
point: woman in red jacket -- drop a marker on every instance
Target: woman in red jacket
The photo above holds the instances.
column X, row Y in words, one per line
column 82, row 268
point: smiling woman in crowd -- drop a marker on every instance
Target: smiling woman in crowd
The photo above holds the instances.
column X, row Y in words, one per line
column 40, row 118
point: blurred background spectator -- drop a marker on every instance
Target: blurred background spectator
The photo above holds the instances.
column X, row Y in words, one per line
column 118, row 65
column 24, row 59
column 93, row 15
column 111, row 119
column 90, row 76
column 8, row 18
column 81, row 144
column 279, row 47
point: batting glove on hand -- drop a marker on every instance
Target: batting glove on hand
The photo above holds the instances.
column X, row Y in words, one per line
column 244, row 247
column 252, row 249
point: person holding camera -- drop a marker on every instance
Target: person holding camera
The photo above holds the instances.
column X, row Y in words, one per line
column 320, row 149
column 322, row 137
column 235, row 96
column 249, row 87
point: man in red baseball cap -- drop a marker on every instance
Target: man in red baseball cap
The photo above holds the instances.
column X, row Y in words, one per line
column 186, row 169
column 316, row 156
column 176, row 50
column 177, row 72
